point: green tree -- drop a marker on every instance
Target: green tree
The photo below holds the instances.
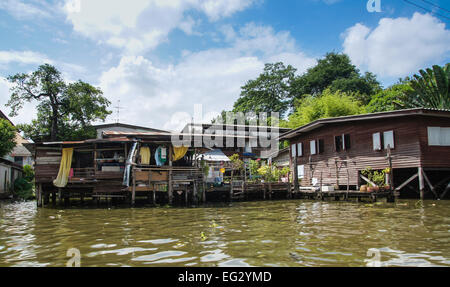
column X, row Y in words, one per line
column 335, row 71
column 7, row 137
column 430, row 89
column 270, row 92
column 64, row 111
column 389, row 99
column 329, row 104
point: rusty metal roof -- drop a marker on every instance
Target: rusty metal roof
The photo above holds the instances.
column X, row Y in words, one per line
column 164, row 135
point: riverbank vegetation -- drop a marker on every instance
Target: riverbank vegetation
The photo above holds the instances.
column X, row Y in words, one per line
column 335, row 87
column 23, row 187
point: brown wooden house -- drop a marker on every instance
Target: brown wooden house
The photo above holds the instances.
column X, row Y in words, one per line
column 114, row 167
column 414, row 143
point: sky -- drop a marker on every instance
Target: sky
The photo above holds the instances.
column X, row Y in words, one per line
column 159, row 58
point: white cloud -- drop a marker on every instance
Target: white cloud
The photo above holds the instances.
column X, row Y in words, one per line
column 28, row 111
column 164, row 97
column 398, row 47
column 22, row 10
column 216, row 9
column 146, row 23
column 23, row 57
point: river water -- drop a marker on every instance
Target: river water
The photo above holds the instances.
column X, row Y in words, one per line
column 263, row 233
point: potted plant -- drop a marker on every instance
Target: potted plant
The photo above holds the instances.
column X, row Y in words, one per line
column 376, row 177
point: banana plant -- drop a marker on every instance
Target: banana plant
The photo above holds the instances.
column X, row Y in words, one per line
column 430, row 89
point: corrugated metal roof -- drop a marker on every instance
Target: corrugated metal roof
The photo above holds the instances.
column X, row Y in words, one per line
column 214, row 155
column 406, row 112
column 168, row 134
column 101, row 126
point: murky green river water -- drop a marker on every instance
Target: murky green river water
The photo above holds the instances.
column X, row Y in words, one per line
column 270, row 233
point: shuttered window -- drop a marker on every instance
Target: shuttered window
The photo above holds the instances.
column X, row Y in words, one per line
column 376, row 137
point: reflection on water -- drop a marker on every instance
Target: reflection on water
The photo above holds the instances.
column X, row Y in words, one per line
column 269, row 233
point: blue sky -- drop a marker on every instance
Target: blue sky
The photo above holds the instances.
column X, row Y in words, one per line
column 159, row 58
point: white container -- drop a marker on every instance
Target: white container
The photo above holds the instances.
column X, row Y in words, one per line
column 327, row 188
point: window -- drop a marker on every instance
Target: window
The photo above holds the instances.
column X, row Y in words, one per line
column 18, row 160
column 438, row 136
column 342, row 142
column 338, row 143
column 300, row 149
column 293, row 151
column 347, row 144
column 312, row 147
column 388, row 139
column 376, row 137
column 321, row 146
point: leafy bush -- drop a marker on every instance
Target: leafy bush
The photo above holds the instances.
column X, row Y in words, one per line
column 7, row 137
column 272, row 173
column 23, row 189
column 28, row 173
column 236, row 162
column 377, row 177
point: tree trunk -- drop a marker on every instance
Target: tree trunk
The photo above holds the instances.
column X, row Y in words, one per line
column 54, row 123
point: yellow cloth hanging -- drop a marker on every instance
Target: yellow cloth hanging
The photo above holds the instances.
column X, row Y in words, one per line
column 145, row 155
column 179, row 152
column 64, row 168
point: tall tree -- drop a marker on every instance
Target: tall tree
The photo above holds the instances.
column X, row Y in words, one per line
column 64, row 111
column 335, row 71
column 7, row 137
column 270, row 92
column 430, row 89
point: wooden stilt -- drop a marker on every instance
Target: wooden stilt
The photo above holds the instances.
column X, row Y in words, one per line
column 295, row 181
column 150, row 192
column 194, row 193
column 231, row 186
column 270, row 191
column 204, row 191
column 429, row 183
column 170, row 187
column 133, row 188
column 421, row 183
column 39, row 195
column 406, row 182
column 59, row 196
